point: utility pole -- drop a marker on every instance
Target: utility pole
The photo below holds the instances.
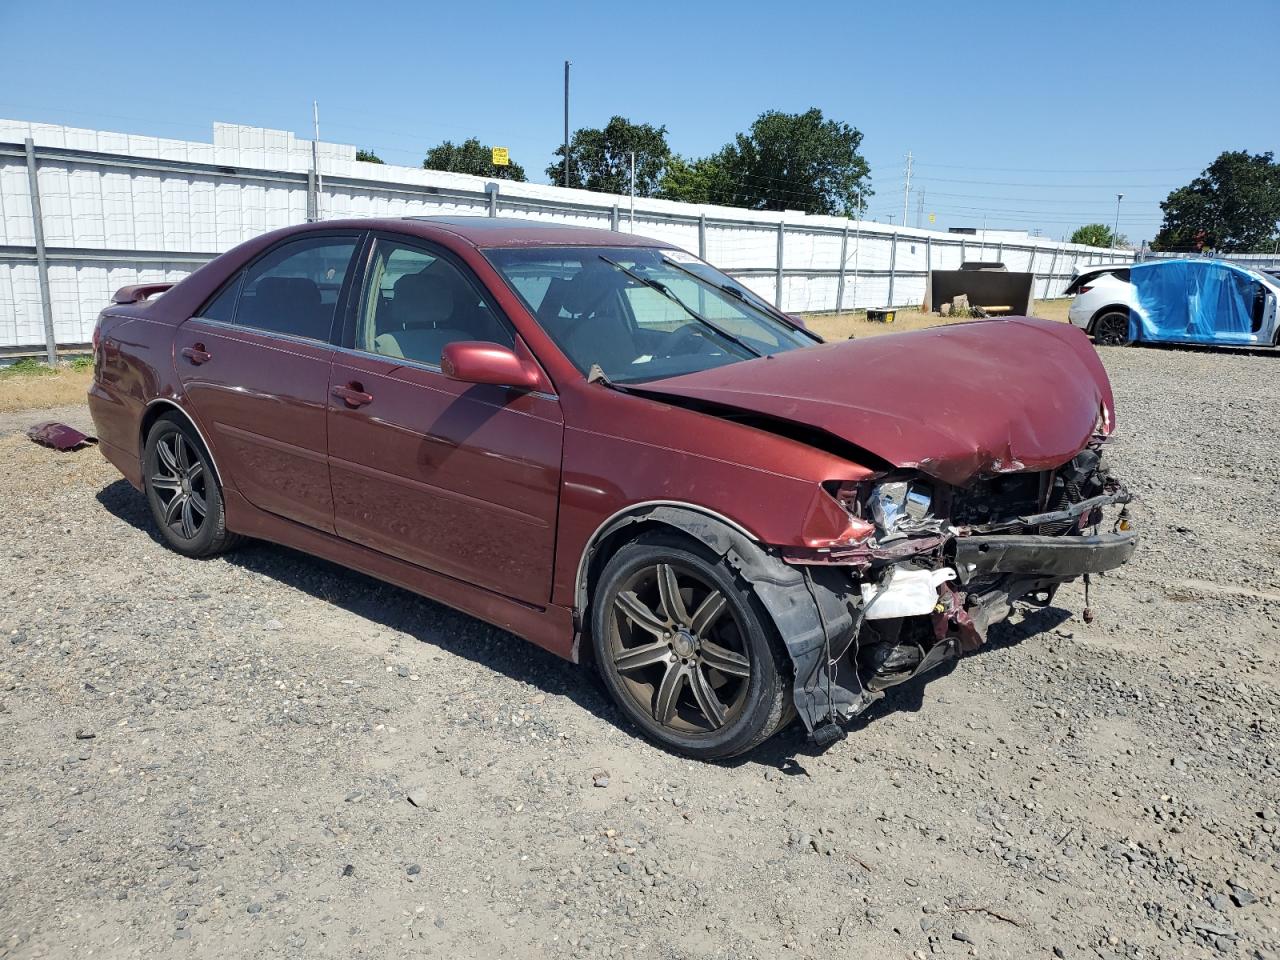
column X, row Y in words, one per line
column 315, row 154
column 633, row 191
column 566, row 123
column 906, row 190
column 1115, row 232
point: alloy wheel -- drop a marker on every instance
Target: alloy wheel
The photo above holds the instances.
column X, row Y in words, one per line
column 180, row 481
column 678, row 649
column 1112, row 330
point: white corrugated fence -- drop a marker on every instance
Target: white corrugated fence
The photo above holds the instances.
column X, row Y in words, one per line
column 116, row 209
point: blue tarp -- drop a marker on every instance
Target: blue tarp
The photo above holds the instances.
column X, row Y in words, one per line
column 1193, row 301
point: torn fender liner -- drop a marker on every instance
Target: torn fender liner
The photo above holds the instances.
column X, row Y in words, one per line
column 810, row 606
column 59, row 436
column 1064, row 556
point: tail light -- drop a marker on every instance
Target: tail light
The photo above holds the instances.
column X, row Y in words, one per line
column 1084, row 289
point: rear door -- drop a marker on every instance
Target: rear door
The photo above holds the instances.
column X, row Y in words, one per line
column 254, row 364
column 462, row 479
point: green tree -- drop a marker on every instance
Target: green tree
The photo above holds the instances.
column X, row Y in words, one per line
column 1233, row 206
column 368, row 156
column 472, row 157
column 601, row 159
column 705, row 180
column 1098, row 235
column 798, row 161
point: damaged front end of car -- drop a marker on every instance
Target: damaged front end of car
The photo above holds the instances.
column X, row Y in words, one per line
column 933, row 567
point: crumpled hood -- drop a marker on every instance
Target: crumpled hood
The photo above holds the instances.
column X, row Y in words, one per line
column 955, row 402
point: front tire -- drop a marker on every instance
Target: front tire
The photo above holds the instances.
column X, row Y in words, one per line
column 183, row 491
column 686, row 650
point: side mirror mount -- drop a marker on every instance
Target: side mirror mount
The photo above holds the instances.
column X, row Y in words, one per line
column 477, row 361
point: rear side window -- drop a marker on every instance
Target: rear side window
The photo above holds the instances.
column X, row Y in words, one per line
column 1092, row 276
column 223, row 307
column 294, row 289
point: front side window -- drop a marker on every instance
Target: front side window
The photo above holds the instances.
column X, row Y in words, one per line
column 415, row 303
column 294, row 289
column 642, row 313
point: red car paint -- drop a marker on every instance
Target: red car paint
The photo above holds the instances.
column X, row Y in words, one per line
column 59, row 436
column 945, row 401
column 487, row 498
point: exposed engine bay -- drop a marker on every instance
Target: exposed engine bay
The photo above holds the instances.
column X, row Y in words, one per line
column 943, row 565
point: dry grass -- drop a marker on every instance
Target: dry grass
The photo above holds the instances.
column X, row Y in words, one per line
column 38, row 389
column 841, row 326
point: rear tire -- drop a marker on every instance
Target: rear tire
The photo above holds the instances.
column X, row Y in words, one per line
column 1111, row 328
column 183, row 491
column 686, row 650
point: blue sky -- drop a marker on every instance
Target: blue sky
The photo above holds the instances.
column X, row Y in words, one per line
column 1025, row 115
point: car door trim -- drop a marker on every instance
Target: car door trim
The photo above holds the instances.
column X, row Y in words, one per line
column 422, row 486
column 271, row 334
column 283, row 446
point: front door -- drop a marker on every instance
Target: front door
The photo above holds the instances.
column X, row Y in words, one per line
column 462, row 479
column 254, row 364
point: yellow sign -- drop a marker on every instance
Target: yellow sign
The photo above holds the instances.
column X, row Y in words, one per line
column 501, row 158
column 932, row 218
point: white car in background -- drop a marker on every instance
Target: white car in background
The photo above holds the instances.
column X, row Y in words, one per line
column 1106, row 300
column 1103, row 297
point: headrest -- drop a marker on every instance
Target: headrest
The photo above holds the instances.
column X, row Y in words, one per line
column 581, row 295
column 287, row 294
column 422, row 299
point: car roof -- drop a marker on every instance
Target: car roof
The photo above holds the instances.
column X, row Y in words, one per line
column 515, row 232
column 484, row 232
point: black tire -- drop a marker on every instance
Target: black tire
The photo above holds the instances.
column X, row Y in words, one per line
column 183, row 491
column 709, row 657
column 1111, row 328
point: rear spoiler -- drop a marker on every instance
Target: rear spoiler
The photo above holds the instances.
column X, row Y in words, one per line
column 137, row 292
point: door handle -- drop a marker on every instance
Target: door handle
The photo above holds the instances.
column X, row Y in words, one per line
column 352, row 395
column 197, row 354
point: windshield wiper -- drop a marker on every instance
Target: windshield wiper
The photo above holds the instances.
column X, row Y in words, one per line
column 737, row 293
column 663, row 289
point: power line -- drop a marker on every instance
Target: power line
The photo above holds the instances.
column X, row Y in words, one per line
column 1018, row 198
column 1052, row 186
column 960, row 166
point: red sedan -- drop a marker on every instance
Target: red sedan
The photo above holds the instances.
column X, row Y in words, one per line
column 601, row 443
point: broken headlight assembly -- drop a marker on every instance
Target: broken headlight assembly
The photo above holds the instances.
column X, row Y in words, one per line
column 888, row 510
column 901, row 507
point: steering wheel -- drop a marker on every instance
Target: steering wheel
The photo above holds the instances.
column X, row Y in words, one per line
column 688, row 339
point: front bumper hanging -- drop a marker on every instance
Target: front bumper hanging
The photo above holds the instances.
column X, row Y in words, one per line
column 994, row 570
column 1041, row 556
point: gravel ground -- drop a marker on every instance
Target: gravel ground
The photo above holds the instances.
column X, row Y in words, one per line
column 266, row 755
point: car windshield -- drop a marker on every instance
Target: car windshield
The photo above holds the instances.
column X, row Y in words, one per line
column 642, row 313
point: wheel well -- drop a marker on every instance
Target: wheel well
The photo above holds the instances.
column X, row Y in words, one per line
column 159, row 408
column 804, row 608
column 1112, row 308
